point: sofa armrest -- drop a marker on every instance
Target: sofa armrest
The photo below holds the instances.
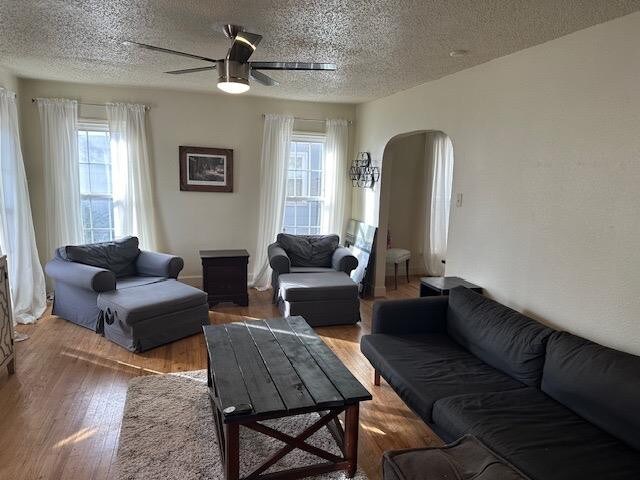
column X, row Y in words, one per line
column 81, row 275
column 415, row 315
column 343, row 260
column 278, row 259
column 155, row 264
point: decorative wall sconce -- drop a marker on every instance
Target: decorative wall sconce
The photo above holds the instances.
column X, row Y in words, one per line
column 362, row 174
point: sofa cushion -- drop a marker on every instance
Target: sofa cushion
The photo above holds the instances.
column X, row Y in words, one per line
column 311, row 269
column 425, row 368
column 598, row 383
column 465, row 459
column 500, row 336
column 309, row 250
column 544, row 439
column 119, row 256
column 132, row 305
column 310, row 287
column 137, row 281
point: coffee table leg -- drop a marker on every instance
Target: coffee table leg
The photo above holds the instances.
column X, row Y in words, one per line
column 351, row 424
column 231, row 451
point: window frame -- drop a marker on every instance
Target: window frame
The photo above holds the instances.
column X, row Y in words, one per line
column 87, row 125
column 307, row 137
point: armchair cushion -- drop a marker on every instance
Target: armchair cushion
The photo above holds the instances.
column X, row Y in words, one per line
column 82, row 276
column 343, row 260
column 278, row 259
column 118, row 255
column 154, row 264
column 309, row 250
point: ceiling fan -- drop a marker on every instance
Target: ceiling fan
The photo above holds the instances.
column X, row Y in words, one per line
column 234, row 70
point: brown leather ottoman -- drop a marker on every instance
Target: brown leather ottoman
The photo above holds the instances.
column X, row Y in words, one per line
column 464, row 459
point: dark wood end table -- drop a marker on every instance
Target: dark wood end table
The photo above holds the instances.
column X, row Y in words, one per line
column 430, row 286
column 266, row 369
column 224, row 276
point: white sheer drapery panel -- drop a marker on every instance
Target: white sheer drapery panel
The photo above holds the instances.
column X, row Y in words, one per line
column 17, row 237
column 439, row 168
column 58, row 123
column 276, row 145
column 336, row 177
column 133, row 206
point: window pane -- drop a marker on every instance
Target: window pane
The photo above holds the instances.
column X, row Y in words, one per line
column 314, row 216
column 289, row 215
column 98, row 147
column 87, row 236
column 101, row 212
column 316, row 184
column 292, row 156
column 302, row 214
column 102, row 235
column 85, row 205
column 100, row 178
column 82, row 146
column 316, row 156
column 302, row 156
column 315, row 230
column 85, row 185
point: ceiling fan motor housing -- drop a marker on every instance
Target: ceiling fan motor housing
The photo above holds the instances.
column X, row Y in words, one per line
column 232, row 71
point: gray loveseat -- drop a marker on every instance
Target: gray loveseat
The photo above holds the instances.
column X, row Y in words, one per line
column 311, row 278
column 130, row 296
column 556, row 406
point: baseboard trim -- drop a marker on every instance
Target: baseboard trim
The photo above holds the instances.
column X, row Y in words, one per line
column 380, row 291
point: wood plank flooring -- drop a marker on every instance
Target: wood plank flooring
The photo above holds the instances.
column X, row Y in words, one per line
column 60, row 413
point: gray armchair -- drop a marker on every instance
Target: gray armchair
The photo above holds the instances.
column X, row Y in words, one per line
column 82, row 272
column 308, row 254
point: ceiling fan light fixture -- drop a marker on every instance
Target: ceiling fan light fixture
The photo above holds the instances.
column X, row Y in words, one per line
column 233, row 76
column 233, row 86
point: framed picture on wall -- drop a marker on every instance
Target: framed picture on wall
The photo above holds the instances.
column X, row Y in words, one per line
column 206, row 169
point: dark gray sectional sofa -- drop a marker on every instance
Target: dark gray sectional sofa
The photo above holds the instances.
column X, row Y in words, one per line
column 555, row 405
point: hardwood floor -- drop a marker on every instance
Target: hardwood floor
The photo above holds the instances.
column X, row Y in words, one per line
column 60, row 413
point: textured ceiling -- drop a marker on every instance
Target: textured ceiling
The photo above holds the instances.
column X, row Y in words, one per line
column 379, row 46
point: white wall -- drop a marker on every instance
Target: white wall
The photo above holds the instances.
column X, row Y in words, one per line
column 405, row 158
column 8, row 80
column 547, row 154
column 189, row 221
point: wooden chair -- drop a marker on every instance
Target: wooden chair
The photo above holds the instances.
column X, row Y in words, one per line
column 397, row 256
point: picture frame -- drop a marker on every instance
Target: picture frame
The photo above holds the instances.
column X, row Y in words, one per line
column 204, row 169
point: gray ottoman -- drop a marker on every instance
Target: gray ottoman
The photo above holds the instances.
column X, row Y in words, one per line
column 464, row 459
column 151, row 315
column 327, row 298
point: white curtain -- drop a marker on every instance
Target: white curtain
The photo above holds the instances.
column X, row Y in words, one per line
column 276, row 144
column 133, row 207
column 17, row 238
column 58, row 122
column 439, row 168
column 336, row 177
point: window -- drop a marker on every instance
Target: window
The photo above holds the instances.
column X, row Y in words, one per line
column 95, row 182
column 305, row 186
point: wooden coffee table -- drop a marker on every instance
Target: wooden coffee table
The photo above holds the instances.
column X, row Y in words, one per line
column 266, row 369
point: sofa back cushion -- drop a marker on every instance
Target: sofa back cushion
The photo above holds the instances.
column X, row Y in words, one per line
column 598, row 383
column 498, row 335
column 119, row 256
column 309, row 250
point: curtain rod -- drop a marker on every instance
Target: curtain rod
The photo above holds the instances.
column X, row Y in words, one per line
column 311, row 119
column 147, row 107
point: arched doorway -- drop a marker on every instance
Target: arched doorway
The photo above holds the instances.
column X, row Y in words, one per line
column 414, row 205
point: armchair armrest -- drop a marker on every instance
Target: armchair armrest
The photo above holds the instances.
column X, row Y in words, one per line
column 154, row 264
column 81, row 275
column 415, row 315
column 343, row 260
column 278, row 259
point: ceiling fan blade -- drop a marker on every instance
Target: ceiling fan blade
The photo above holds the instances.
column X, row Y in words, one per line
column 293, row 66
column 192, row 70
column 166, row 50
column 244, row 44
column 263, row 79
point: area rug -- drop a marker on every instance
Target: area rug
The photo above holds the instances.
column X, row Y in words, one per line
column 168, row 432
